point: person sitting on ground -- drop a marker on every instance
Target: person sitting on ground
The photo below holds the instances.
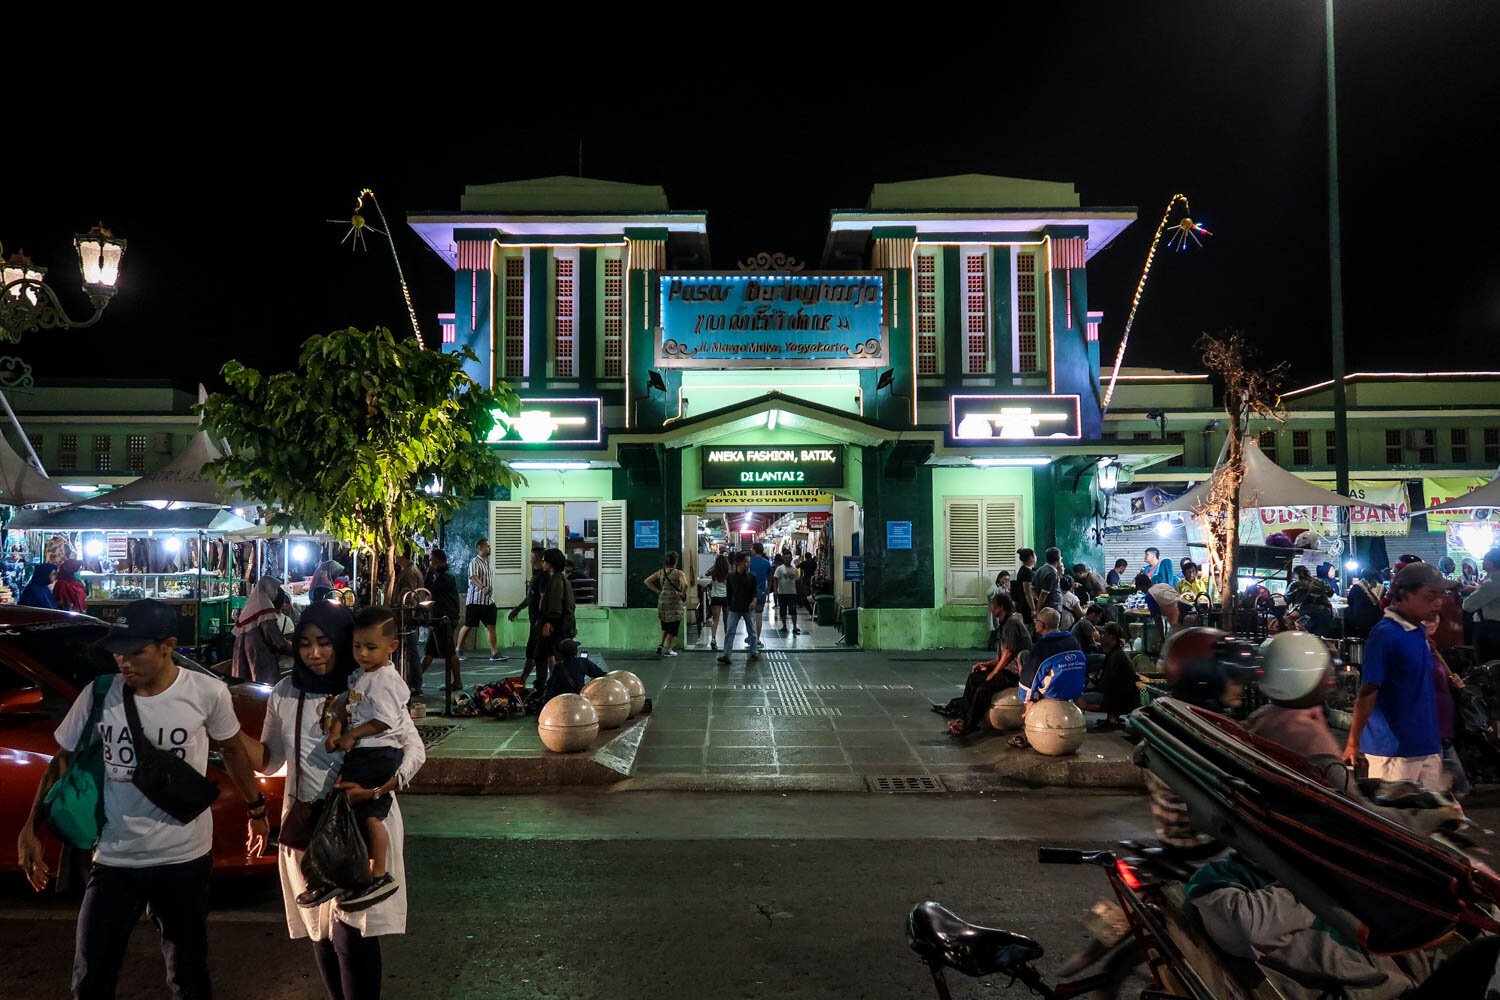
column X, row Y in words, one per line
column 1114, row 690
column 1055, row 668
column 571, row 673
column 1086, row 631
column 988, row 678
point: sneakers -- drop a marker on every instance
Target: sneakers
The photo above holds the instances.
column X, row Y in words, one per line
column 498, row 657
column 754, row 656
column 670, row 652
column 713, row 644
column 317, row 895
column 722, row 659
column 798, row 631
column 359, row 899
column 659, row 650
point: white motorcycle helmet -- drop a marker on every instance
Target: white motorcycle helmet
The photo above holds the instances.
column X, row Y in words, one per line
column 1297, row 669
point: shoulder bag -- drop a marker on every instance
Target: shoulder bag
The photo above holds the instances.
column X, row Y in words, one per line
column 302, row 816
column 172, row 784
column 74, row 805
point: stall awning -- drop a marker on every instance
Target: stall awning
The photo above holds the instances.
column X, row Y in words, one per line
column 21, row 485
column 182, row 482
column 206, row 519
column 1266, row 484
column 1487, row 497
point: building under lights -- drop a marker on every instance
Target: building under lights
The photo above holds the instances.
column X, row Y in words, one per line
column 931, row 385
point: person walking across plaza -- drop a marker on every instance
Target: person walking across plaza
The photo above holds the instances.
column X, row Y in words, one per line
column 146, row 859
column 558, row 609
column 718, row 597
column 760, row 568
column 479, row 603
column 346, row 944
column 532, row 603
column 786, row 595
column 1395, row 721
column 444, row 590
column 744, row 605
column 670, row 585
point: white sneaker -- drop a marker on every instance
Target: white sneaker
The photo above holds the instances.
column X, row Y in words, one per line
column 670, row 652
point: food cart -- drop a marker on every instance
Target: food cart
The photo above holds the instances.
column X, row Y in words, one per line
column 181, row 557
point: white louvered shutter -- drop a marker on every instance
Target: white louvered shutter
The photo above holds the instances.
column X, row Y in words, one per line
column 510, row 562
column 1002, row 536
column 612, row 553
column 965, row 552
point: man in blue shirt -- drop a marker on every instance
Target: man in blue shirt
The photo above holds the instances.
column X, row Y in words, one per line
column 1057, row 667
column 760, row 568
column 1395, row 726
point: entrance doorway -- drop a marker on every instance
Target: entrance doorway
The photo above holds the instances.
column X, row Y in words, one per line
column 810, row 543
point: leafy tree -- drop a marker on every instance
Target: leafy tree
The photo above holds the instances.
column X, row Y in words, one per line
column 350, row 441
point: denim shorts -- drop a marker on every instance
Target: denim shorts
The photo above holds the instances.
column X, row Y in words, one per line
column 371, row 767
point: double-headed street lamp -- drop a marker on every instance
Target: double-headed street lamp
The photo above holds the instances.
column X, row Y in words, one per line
column 28, row 304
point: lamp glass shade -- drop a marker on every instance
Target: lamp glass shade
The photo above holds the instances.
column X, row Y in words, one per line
column 1109, row 477
column 17, row 268
column 99, row 256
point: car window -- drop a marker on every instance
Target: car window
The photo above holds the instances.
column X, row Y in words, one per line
column 68, row 649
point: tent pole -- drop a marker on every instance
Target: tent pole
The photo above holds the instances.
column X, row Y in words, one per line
column 20, row 433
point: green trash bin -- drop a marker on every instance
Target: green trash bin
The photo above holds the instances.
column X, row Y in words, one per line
column 851, row 626
column 828, row 609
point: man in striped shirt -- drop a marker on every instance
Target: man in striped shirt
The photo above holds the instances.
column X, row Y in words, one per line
column 480, row 601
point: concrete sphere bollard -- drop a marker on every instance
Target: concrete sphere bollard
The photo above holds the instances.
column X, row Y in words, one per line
column 611, row 701
column 633, row 687
column 1005, row 710
column 1054, row 727
column 568, row 723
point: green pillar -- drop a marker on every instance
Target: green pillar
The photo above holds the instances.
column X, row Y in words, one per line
column 897, row 487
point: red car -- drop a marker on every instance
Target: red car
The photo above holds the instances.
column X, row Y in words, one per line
column 46, row 659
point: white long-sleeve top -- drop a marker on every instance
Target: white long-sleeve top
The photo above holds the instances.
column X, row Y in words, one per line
column 1485, row 600
column 319, row 770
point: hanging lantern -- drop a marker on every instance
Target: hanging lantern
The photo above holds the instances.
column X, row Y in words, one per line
column 99, row 255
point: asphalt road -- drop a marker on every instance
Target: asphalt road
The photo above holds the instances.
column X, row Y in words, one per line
column 655, row 895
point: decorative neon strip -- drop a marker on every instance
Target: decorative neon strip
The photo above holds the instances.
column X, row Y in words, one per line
column 1360, row 375
column 1176, row 377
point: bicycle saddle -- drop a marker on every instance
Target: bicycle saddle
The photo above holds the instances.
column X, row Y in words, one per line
column 938, row 934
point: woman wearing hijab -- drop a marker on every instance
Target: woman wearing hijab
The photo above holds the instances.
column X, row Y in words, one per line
column 257, row 635
column 67, row 592
column 38, row 593
column 346, row 945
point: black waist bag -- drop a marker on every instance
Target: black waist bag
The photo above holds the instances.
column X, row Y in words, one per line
column 172, row 784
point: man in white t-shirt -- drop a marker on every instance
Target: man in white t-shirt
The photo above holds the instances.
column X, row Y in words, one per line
column 144, row 857
column 479, row 602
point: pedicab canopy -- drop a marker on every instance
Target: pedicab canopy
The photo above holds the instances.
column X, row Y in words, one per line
column 1266, row 484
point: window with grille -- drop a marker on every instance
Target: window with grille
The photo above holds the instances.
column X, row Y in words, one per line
column 976, row 311
column 67, row 452
column 1331, row 446
column 564, row 315
column 614, row 317
column 514, row 303
column 1428, row 456
column 1393, row 454
column 1492, row 445
column 1028, row 315
column 1140, row 435
column 927, row 313
column 1458, row 441
column 36, row 440
column 1109, row 436
column 1178, row 438
column 1302, row 447
column 135, row 452
column 1267, row 442
column 103, row 460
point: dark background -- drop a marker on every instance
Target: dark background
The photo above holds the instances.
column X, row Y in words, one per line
column 220, row 172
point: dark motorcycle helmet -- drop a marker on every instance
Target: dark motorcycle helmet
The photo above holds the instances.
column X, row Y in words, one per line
column 1202, row 665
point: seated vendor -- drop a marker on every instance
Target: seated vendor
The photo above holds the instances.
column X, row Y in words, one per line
column 571, row 671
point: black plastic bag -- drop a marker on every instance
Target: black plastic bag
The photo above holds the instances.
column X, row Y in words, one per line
column 337, row 854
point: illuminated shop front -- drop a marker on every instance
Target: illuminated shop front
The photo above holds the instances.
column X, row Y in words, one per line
column 911, row 410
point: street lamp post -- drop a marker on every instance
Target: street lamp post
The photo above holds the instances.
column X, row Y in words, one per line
column 1336, row 284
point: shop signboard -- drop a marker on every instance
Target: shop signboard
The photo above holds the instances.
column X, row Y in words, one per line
column 1436, row 491
column 898, row 534
column 817, row 520
column 815, row 320
column 995, row 418
column 784, row 499
column 1391, row 518
column 551, row 421
column 854, row 569
column 648, row 534
column 773, row 465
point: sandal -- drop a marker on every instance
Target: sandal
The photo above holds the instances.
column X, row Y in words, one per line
column 1019, row 742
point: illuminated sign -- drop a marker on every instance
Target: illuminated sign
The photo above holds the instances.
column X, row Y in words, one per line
column 576, row 423
column 781, row 500
column 1013, row 418
column 795, row 320
column 749, row 466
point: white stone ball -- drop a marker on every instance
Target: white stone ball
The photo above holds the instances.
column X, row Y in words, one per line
column 611, row 701
column 1055, row 728
column 1005, row 710
column 634, row 687
column 568, row 723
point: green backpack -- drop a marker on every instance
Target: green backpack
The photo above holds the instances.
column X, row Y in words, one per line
column 75, row 803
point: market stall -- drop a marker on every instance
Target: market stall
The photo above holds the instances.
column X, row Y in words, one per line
column 181, row 557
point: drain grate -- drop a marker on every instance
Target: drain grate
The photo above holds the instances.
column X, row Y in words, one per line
column 903, row 783
column 796, row 711
column 432, row 735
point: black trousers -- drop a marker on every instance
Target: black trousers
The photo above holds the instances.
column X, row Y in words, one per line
column 349, row 963
column 1487, row 641
column 175, row 896
column 979, row 692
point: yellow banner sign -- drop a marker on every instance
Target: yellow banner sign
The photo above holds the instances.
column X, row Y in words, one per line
column 1392, row 517
column 791, row 499
column 1436, row 491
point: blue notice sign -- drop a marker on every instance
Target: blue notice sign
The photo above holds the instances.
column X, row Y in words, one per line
column 648, row 534
column 854, row 569
column 898, row 534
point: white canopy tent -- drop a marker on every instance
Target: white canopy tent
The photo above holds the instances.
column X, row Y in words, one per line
column 22, row 486
column 1486, row 497
column 182, row 482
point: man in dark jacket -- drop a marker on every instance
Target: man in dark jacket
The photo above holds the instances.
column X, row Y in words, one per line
column 1114, row 691
column 744, row 605
column 571, row 672
column 444, row 589
column 558, row 609
column 532, row 603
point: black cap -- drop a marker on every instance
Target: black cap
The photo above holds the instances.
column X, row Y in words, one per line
column 139, row 624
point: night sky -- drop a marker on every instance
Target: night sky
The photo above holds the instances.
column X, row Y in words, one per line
column 222, row 188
